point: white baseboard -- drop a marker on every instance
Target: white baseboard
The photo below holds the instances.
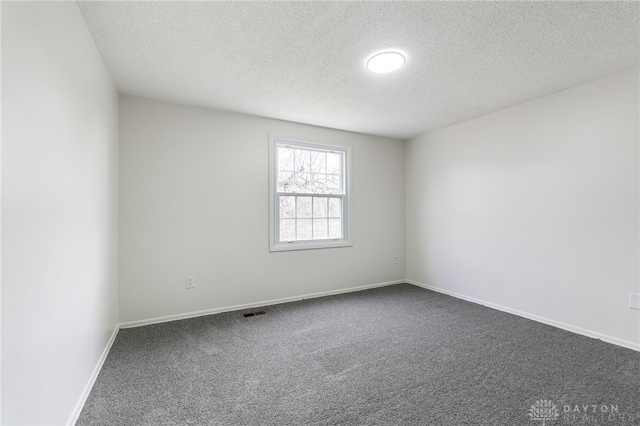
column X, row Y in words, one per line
column 73, row 418
column 92, row 379
column 168, row 318
column 94, row 375
column 572, row 328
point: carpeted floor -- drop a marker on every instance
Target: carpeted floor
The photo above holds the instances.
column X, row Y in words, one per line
column 388, row 356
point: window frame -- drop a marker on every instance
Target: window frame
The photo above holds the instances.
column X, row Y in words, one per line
column 274, row 214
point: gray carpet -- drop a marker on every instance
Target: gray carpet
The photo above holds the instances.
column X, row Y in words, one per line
column 387, row 356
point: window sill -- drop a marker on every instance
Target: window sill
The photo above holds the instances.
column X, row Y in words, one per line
column 309, row 246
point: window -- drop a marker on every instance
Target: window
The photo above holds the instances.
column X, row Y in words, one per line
column 308, row 195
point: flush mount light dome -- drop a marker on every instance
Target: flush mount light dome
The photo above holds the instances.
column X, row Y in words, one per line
column 385, row 62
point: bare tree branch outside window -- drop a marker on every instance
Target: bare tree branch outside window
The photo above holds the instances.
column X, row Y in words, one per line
column 310, row 191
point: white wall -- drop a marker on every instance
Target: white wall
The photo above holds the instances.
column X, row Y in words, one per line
column 535, row 208
column 59, row 211
column 194, row 201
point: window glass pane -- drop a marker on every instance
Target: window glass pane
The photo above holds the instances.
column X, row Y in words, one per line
column 333, row 184
column 320, row 173
column 287, row 207
column 318, row 162
column 335, row 207
column 334, row 163
column 285, row 182
column 318, row 183
column 335, row 228
column 320, row 229
column 303, row 209
column 305, row 171
column 302, row 160
column 287, row 229
column 319, row 207
column 304, row 229
column 285, row 159
column 300, row 182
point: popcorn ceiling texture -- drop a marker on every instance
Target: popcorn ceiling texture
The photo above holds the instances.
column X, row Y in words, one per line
column 304, row 61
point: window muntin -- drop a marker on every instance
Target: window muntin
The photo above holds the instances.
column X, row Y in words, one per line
column 309, row 183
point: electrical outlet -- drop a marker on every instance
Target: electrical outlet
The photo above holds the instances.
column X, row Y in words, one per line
column 394, row 259
column 189, row 282
column 634, row 301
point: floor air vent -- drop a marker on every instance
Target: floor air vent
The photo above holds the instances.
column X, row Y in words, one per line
column 254, row 314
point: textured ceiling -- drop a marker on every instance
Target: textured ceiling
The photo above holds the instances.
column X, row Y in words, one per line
column 304, row 61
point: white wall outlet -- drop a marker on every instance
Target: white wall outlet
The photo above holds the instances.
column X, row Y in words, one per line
column 634, row 301
column 394, row 259
column 189, row 281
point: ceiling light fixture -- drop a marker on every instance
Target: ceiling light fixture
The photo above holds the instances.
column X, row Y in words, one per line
column 385, row 62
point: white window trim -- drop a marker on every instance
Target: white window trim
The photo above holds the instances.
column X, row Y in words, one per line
column 347, row 201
